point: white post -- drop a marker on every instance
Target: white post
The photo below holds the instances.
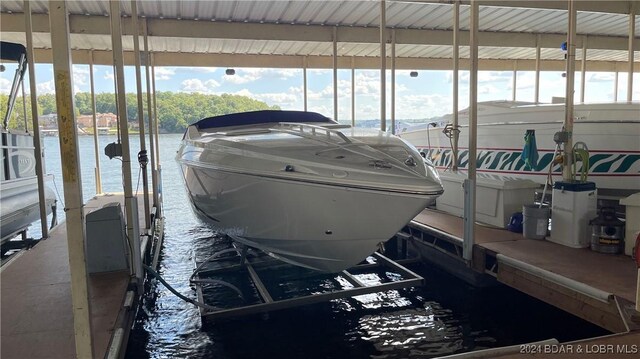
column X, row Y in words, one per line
column 129, row 200
column 96, row 145
column 157, row 125
column 537, row 87
column 615, row 87
column 152, row 142
column 34, row 118
column 71, row 177
column 305, row 64
column 583, row 72
column 455, row 95
column 568, row 119
column 143, row 146
column 632, row 34
column 514, row 80
column 335, row 73
column 393, row 81
column 353, row 91
column 383, row 66
column 470, row 183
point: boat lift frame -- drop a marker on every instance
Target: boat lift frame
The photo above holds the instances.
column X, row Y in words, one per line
column 269, row 304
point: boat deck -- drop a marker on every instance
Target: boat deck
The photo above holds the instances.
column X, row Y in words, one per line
column 600, row 288
column 37, row 320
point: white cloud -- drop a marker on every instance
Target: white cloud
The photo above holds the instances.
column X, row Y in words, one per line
column 601, row 77
column 46, row 87
column 164, row 73
column 5, row 86
column 108, row 75
column 196, row 85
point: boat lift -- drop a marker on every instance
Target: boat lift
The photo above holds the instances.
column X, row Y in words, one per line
column 250, row 260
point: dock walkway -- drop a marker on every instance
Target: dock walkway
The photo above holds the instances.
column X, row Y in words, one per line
column 36, row 311
column 600, row 288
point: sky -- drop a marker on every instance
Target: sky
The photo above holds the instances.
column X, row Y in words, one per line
column 425, row 96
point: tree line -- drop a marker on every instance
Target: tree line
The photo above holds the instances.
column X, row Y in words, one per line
column 176, row 110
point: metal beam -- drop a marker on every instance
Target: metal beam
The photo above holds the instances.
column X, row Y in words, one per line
column 583, row 72
column 91, row 26
column 455, row 55
column 631, row 47
column 470, row 182
column 335, row 74
column 393, row 81
column 102, row 57
column 353, row 92
column 123, row 123
column 152, row 144
column 143, row 143
column 34, row 118
column 71, row 178
column 537, row 86
column 96, row 146
column 383, row 66
column 304, row 82
column 570, row 76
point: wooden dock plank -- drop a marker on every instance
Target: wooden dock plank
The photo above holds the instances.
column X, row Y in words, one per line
column 453, row 225
column 37, row 320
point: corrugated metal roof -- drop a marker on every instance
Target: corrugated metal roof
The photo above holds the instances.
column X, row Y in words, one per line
column 353, row 13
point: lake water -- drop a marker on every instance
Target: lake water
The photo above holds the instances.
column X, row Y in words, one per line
column 443, row 317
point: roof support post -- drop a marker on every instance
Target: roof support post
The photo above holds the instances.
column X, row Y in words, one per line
column 353, row 91
column 632, row 34
column 456, row 66
column 383, row 66
column 537, row 86
column 305, row 64
column 155, row 114
column 615, row 87
column 335, row 73
column 568, row 119
column 96, row 145
column 143, row 145
column 470, row 182
column 514, row 80
column 68, row 135
column 393, row 81
column 34, row 118
column 129, row 201
column 152, row 142
column 583, row 71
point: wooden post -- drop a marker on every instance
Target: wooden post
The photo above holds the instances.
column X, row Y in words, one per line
column 152, row 143
column 305, row 64
column 568, row 119
column 393, row 81
column 537, row 87
column 335, row 73
column 71, row 177
column 583, row 71
column 632, row 34
column 353, row 91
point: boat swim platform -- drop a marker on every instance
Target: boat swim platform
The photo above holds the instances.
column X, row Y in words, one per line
column 597, row 287
column 347, row 283
column 36, row 309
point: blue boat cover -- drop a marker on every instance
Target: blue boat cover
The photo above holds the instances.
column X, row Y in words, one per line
column 257, row 117
column 11, row 51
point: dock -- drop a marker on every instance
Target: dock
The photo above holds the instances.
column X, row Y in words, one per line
column 37, row 318
column 600, row 288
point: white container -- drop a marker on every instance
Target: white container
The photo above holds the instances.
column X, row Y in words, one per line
column 572, row 207
column 632, row 225
column 497, row 197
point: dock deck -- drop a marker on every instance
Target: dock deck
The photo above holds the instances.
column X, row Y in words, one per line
column 600, row 288
column 37, row 318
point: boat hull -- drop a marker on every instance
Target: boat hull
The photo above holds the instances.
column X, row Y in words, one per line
column 19, row 205
column 318, row 226
column 614, row 149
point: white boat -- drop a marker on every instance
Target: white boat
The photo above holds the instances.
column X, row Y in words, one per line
column 301, row 187
column 19, row 200
column 611, row 133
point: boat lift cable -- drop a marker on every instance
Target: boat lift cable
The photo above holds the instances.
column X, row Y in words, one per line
column 175, row 292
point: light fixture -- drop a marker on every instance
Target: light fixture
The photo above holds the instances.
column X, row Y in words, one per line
column 230, row 72
column 413, row 73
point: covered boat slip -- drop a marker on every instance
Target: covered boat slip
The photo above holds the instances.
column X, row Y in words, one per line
column 599, row 288
column 37, row 318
